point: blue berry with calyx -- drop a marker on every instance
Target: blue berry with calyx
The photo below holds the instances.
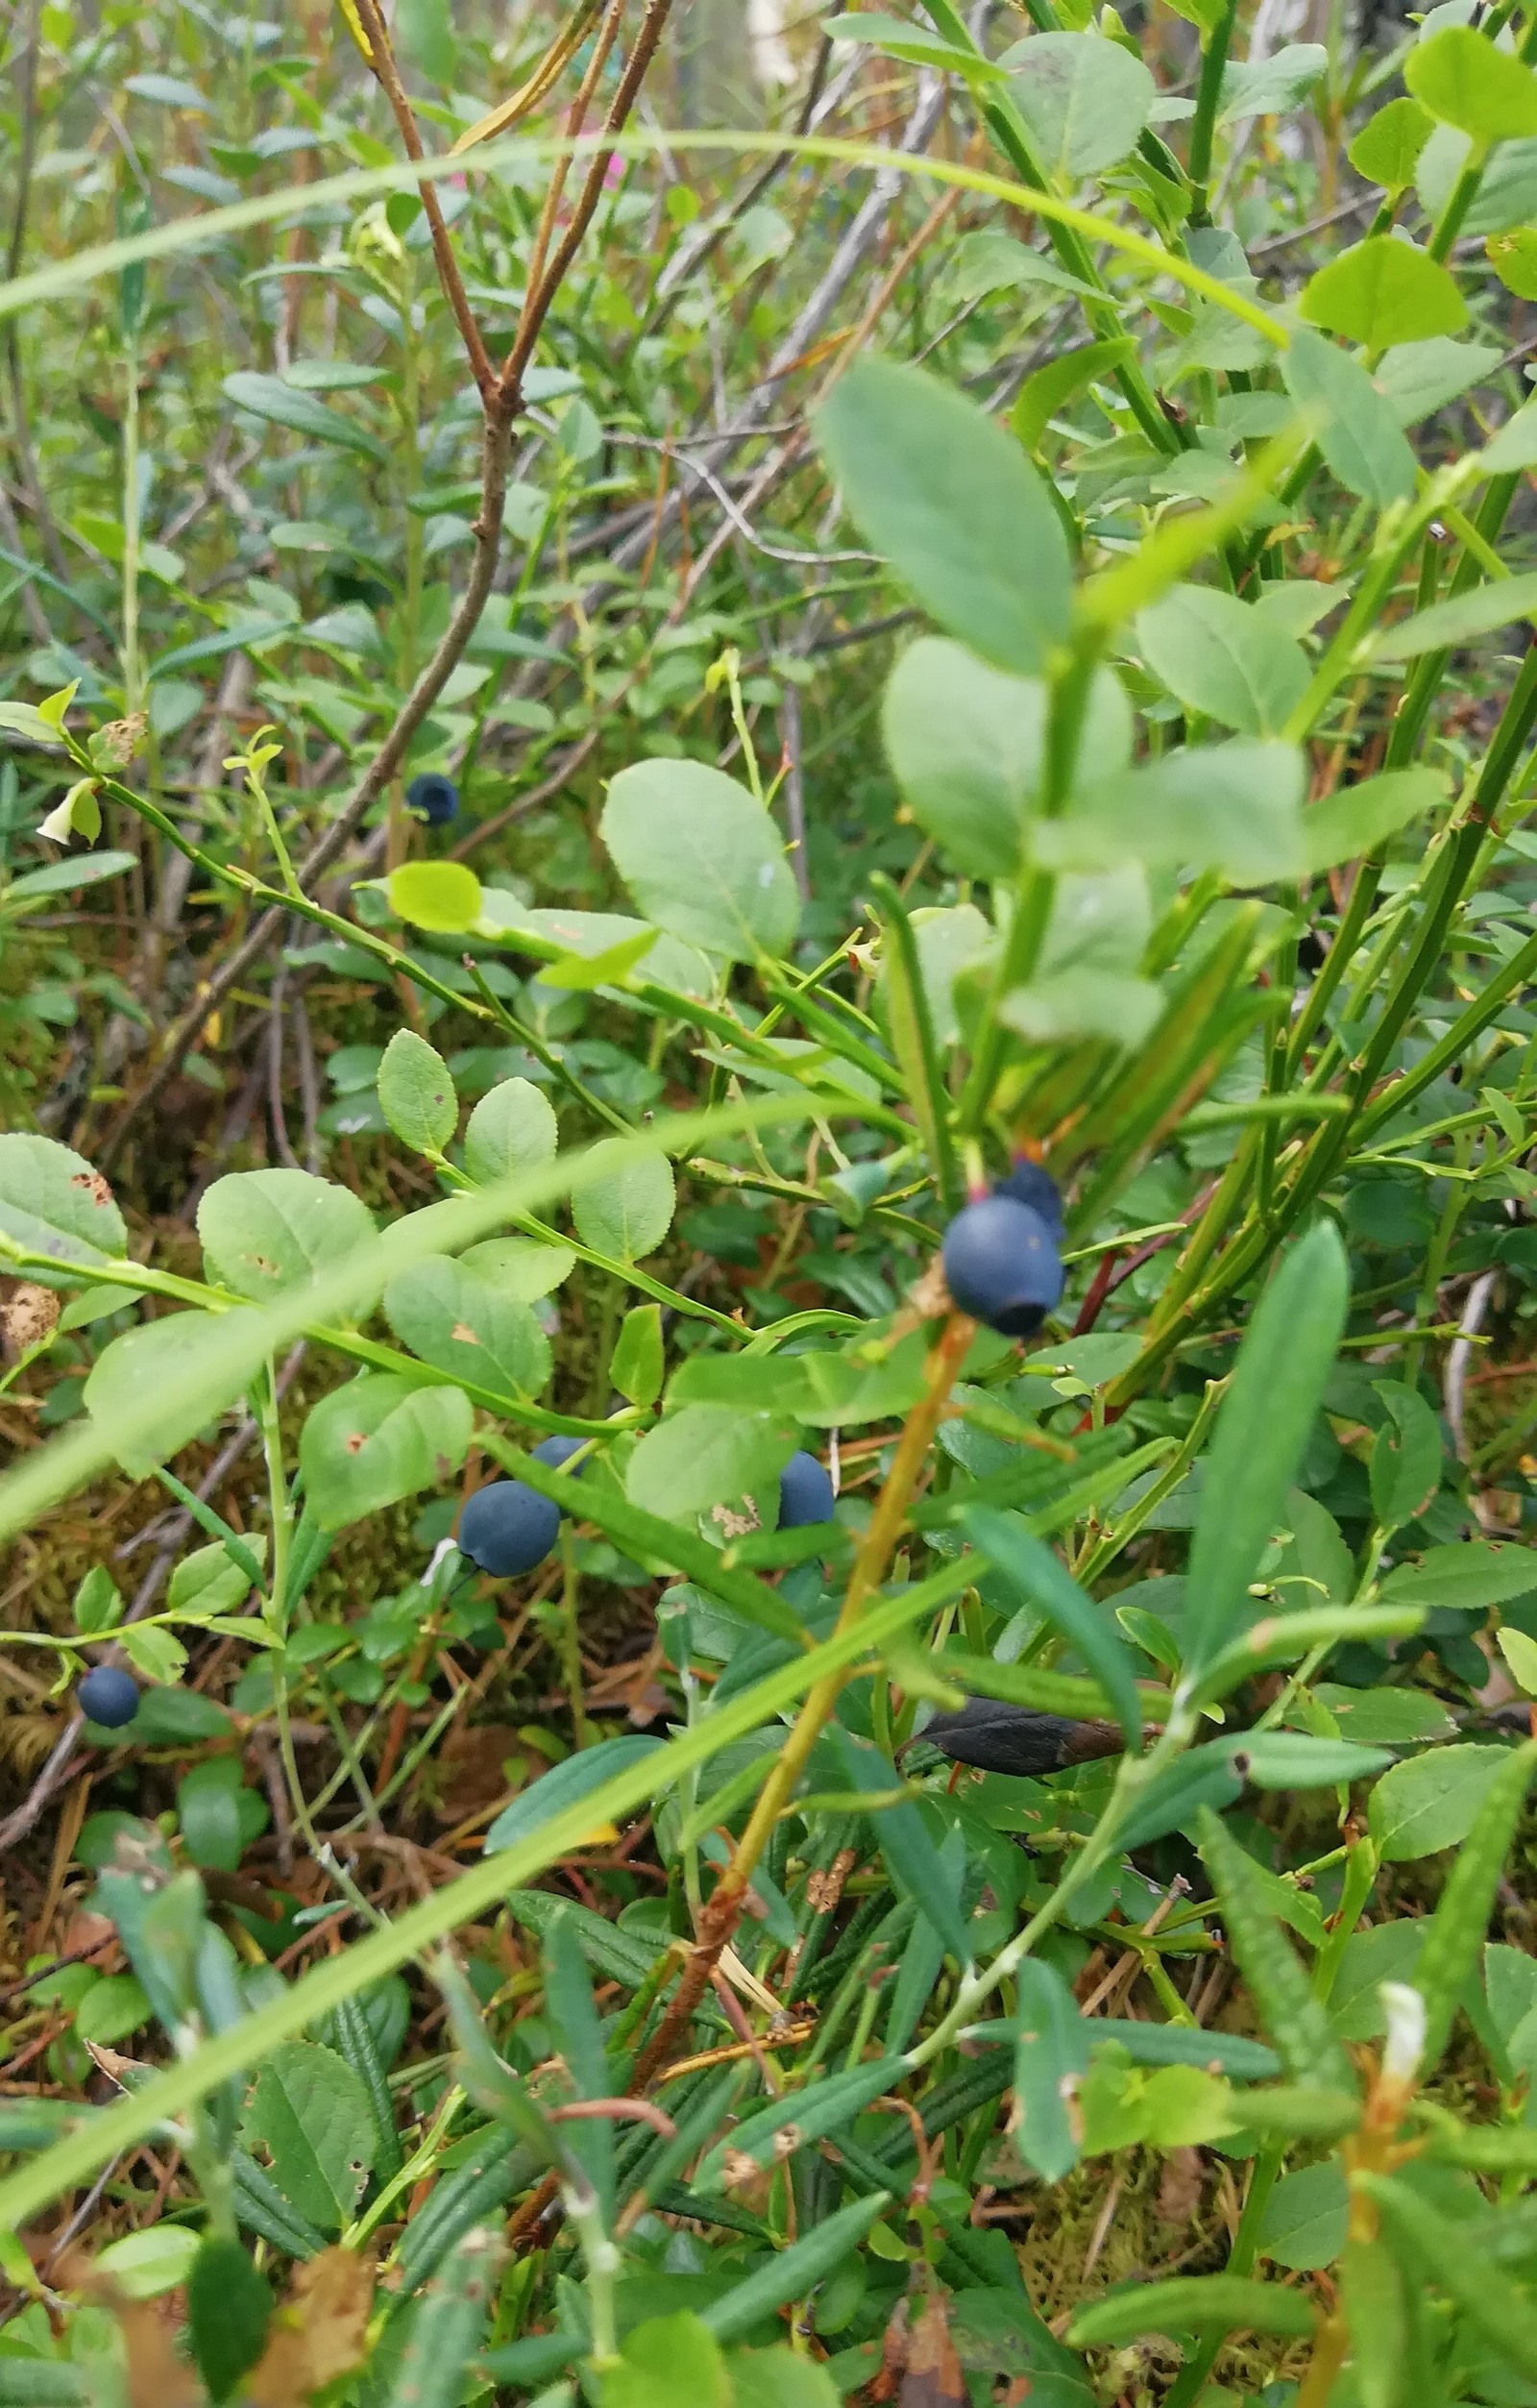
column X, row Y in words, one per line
column 508, row 1528
column 1031, row 1183
column 805, row 1492
column 1001, row 1265
column 107, row 1697
column 433, row 797
column 558, row 1452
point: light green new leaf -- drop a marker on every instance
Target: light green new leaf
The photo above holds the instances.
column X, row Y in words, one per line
column 378, row 1440
column 442, row 897
column 1387, row 149
column 1464, row 80
column 416, row 1092
column 625, row 1212
column 1354, row 426
column 1084, row 98
column 955, row 505
column 1384, row 291
column 702, row 858
column 1223, row 657
column 913, row 43
column 264, row 1231
column 1267, row 88
column 1276, row 1390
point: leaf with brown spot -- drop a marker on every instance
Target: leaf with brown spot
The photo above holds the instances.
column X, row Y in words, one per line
column 933, row 2378
column 319, row 2333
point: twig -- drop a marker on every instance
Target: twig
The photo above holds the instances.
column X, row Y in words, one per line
column 1460, row 1355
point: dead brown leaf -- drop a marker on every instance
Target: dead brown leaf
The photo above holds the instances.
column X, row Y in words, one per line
column 157, row 2377
column 318, row 2333
column 933, row 2378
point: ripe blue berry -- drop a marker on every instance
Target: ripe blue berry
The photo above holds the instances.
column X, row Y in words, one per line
column 1002, row 1265
column 507, row 1529
column 109, row 1697
column 805, row 1492
column 558, row 1451
column 1028, row 1182
column 434, row 796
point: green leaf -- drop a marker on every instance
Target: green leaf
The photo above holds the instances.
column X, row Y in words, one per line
column 1405, row 1468
column 913, row 43
column 426, row 29
column 1470, row 1576
column 1267, row 88
column 1032, row 1569
column 512, row 1129
column 1387, row 1951
column 455, row 1318
column 779, row 2379
column 965, row 745
column 310, row 2112
column 1353, row 426
column 795, row 2272
column 53, row 1202
column 1100, row 924
column 1355, row 819
column 266, row 1231
column 1277, row 1389
column 565, row 1785
column 1417, row 379
column 229, row 2306
column 814, row 2113
column 145, row 2264
column 1387, row 149
column 706, row 1455
column 1372, row 2295
column 1501, row 604
column 666, row 2360
column 636, row 1367
column 1383, row 292
column 1521, row 1654
column 1193, row 2304
column 61, row 877
column 378, row 1440
column 1455, row 1939
column 1513, row 257
column 1392, row 1718
column 99, row 1602
column 1233, row 808
column 113, row 2009
column 523, row 1267
column 1294, row 2019
column 1433, row 1801
column 416, row 1093
column 1224, row 657
column 210, row 1814
column 624, row 1211
column 1304, row 2219
column 1051, row 2055
column 1085, row 101
column 953, row 504
column 155, row 1655
column 1491, row 2303
column 209, row 1581
column 702, row 858
column 283, row 405
column 1052, row 387
column 24, row 719
column 1466, row 82
column 442, row 897
column 153, row 1389
column 908, row 1852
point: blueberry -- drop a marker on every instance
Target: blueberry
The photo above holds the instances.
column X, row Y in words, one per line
column 507, row 1529
column 558, row 1451
column 1029, row 1183
column 805, row 1492
column 1002, row 1265
column 107, row 1697
column 434, row 796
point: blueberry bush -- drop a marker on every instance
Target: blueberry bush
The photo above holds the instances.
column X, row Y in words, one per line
column 768, row 1250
